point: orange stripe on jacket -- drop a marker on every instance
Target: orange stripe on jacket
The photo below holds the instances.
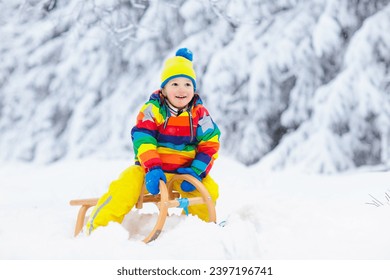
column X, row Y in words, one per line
column 176, row 159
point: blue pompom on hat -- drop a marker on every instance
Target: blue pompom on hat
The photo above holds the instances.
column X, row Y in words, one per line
column 184, row 52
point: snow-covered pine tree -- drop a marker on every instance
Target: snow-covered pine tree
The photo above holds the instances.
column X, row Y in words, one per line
column 290, row 82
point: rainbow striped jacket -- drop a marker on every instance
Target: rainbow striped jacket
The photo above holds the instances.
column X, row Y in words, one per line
column 160, row 139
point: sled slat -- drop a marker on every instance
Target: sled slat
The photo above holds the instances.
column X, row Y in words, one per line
column 176, row 203
column 87, row 201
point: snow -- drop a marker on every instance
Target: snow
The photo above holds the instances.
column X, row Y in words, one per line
column 267, row 215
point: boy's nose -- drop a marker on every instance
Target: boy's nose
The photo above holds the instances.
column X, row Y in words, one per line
column 182, row 88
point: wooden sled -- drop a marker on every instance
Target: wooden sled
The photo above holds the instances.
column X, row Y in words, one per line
column 165, row 200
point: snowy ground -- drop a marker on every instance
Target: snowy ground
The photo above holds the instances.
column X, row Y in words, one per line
column 269, row 215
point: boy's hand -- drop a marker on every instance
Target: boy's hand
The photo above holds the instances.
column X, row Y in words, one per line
column 186, row 186
column 152, row 180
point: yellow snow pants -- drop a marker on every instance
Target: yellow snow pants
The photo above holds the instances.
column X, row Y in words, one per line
column 123, row 194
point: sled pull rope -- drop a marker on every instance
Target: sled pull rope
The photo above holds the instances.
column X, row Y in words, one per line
column 183, row 203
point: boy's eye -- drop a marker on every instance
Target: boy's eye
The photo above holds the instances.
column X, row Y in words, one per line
column 188, row 84
column 175, row 84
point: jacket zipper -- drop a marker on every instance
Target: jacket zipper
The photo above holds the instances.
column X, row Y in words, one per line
column 189, row 115
column 191, row 128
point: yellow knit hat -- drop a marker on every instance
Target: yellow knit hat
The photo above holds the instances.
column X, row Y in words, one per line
column 179, row 66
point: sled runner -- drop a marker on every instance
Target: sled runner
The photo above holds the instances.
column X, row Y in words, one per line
column 167, row 198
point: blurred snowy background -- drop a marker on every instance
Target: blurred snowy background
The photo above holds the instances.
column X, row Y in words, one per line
column 291, row 83
column 295, row 85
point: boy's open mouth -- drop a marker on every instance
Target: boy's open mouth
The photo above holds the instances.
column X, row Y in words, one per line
column 181, row 97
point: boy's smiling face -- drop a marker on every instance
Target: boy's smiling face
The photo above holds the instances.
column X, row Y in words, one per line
column 179, row 92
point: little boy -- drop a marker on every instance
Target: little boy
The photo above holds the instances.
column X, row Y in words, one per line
column 174, row 134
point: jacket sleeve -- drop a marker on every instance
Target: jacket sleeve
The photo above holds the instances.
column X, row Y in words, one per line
column 144, row 136
column 207, row 133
